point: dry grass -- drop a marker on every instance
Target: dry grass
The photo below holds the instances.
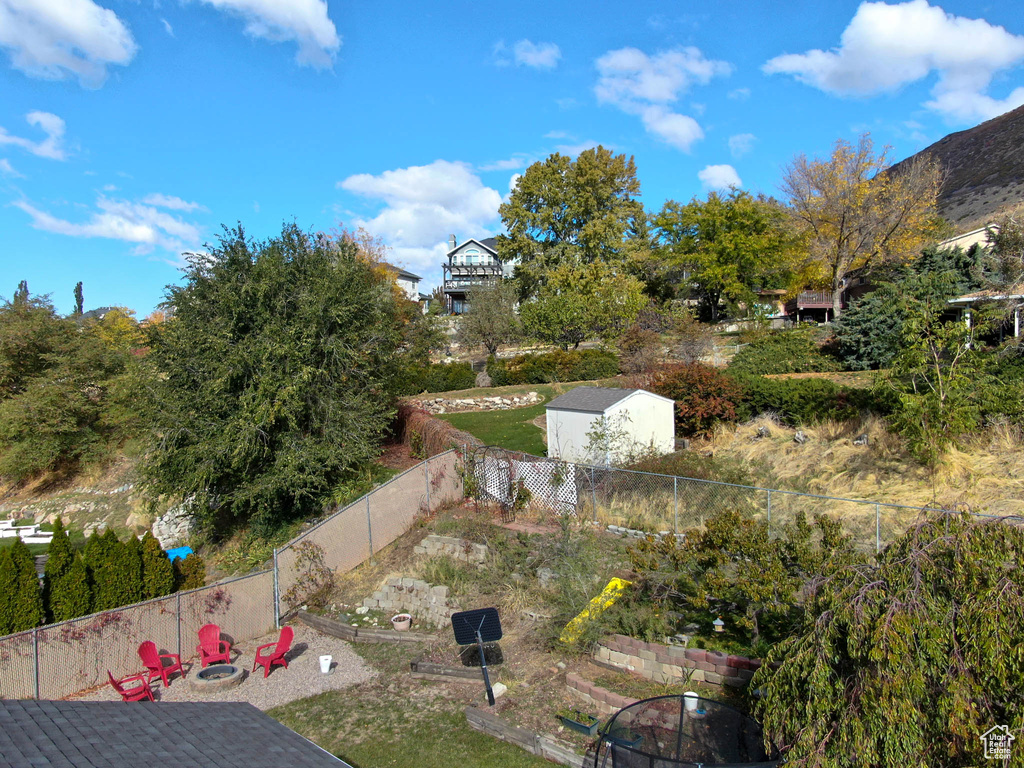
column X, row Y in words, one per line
column 984, row 473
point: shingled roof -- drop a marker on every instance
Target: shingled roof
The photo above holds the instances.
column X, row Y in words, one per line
column 590, row 399
column 105, row 734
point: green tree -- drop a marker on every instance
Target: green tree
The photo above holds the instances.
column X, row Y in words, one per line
column 1004, row 272
column 72, row 596
column 189, row 573
column 277, row 373
column 579, row 302
column 492, row 320
column 855, row 214
column 572, row 212
column 908, row 661
column 157, row 571
column 60, row 555
column 26, row 599
column 79, row 299
column 8, row 587
column 729, row 246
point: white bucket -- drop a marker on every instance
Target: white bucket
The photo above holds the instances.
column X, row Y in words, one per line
column 690, row 700
column 325, row 664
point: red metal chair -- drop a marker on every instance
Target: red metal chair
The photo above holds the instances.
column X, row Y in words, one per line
column 211, row 648
column 281, row 647
column 154, row 662
column 140, row 692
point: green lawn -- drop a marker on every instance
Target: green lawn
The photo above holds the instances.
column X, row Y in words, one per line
column 511, row 429
column 394, row 721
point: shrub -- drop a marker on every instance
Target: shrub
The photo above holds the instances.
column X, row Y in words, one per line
column 438, row 377
column 639, row 349
column 793, row 351
column 157, row 571
column 561, row 365
column 807, row 401
column 906, row 662
column 21, row 603
column 189, row 573
column 703, row 395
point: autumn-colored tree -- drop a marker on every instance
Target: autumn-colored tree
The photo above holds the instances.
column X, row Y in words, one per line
column 854, row 213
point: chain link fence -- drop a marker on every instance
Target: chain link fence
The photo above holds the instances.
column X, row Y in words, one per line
column 644, row 501
column 58, row 660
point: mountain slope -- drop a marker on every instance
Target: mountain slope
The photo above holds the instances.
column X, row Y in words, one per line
column 983, row 168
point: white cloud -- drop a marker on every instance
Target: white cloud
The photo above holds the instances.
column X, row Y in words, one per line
column 304, row 21
column 536, row 55
column 739, row 94
column 131, row 222
column 52, row 39
column 167, row 27
column 51, row 147
column 423, row 205
column 741, row 144
column 719, row 177
column 887, row 46
column 171, row 202
column 513, row 163
column 6, row 169
column 645, row 85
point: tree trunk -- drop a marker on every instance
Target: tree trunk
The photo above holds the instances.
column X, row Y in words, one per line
column 837, row 298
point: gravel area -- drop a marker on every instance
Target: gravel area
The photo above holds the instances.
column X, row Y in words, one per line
column 303, row 677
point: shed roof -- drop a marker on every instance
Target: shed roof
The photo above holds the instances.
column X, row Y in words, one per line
column 595, row 399
column 90, row 734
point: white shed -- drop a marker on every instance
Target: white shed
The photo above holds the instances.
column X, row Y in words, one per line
column 602, row 425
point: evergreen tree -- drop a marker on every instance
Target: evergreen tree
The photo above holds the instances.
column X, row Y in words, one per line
column 157, row 571
column 106, row 561
column 79, row 298
column 8, row 586
column 26, row 599
column 74, row 598
column 58, row 565
column 189, row 573
column 132, row 564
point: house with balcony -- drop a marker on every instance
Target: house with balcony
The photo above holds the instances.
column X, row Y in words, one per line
column 468, row 265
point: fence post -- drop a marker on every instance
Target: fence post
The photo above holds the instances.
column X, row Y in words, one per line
column 426, row 477
column 593, row 492
column 878, row 530
column 277, row 600
column 675, row 502
column 177, row 611
column 769, row 511
column 35, row 661
column 369, row 528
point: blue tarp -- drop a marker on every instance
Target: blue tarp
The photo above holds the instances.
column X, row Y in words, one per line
column 177, row 552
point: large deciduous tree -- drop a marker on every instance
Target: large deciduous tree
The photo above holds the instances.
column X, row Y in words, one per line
column 575, row 212
column 277, row 374
column 855, row 212
column 492, row 320
column 728, row 246
column 908, row 661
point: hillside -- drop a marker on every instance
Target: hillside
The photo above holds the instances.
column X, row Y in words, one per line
column 984, row 171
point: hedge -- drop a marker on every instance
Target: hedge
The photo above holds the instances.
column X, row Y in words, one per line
column 805, row 401
column 793, row 351
column 575, row 365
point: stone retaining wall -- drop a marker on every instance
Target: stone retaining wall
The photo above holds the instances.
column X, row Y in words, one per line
column 460, row 549
column 428, row 604
column 495, row 403
column 359, row 634
column 672, row 664
column 604, row 701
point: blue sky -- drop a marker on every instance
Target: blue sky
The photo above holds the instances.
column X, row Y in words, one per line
column 131, row 130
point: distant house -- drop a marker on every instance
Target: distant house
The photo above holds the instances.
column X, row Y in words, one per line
column 967, row 239
column 471, row 264
column 83, row 734
column 407, row 281
column 967, row 303
column 603, row 425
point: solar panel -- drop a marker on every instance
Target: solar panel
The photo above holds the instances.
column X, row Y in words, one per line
column 485, row 621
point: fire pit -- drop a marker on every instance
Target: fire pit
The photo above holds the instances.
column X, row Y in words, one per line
column 216, row 677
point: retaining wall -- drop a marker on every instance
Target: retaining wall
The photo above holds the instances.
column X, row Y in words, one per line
column 675, row 664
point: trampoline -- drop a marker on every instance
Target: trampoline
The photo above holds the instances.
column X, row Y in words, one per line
column 681, row 730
